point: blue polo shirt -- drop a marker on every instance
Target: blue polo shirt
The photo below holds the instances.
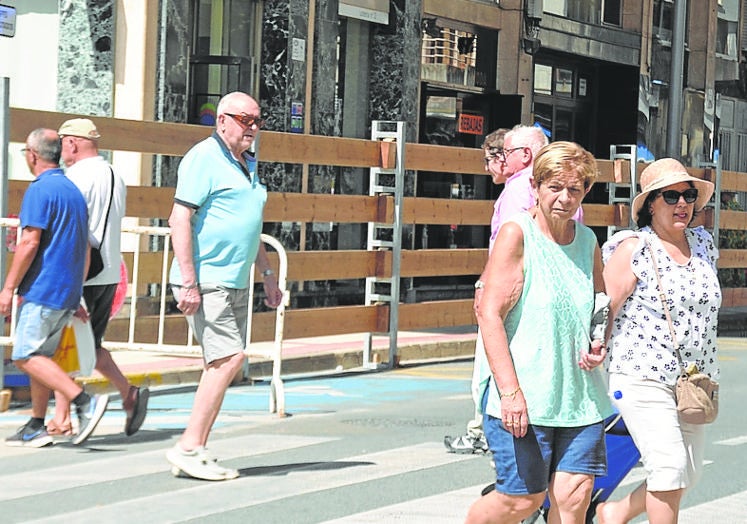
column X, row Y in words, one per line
column 53, row 204
column 228, row 201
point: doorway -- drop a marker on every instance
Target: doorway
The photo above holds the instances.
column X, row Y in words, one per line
column 224, row 54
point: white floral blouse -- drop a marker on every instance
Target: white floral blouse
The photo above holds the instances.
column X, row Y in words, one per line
column 641, row 343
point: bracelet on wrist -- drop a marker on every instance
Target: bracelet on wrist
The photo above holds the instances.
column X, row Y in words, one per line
column 192, row 286
column 479, row 284
column 267, row 272
column 509, row 395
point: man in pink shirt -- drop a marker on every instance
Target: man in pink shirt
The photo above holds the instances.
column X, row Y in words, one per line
column 511, row 165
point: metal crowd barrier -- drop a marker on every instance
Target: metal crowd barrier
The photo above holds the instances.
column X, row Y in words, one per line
column 189, row 348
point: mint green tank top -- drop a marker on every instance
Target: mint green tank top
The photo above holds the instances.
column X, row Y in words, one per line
column 548, row 328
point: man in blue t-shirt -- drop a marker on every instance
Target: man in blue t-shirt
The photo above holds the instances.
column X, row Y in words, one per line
column 216, row 223
column 47, row 270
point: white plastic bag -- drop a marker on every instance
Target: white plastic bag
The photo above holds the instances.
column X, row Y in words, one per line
column 86, row 346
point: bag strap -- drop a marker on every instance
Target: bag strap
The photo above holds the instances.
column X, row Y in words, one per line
column 663, row 299
column 109, row 208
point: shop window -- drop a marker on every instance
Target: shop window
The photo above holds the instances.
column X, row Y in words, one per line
column 561, row 104
column 560, row 81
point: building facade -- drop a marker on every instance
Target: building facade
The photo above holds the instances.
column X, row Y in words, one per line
column 594, row 71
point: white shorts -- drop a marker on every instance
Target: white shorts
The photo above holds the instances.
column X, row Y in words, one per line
column 671, row 450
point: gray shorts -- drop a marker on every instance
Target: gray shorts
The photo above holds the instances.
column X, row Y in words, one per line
column 220, row 322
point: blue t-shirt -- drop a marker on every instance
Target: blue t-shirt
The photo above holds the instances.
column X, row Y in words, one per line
column 228, row 202
column 53, row 204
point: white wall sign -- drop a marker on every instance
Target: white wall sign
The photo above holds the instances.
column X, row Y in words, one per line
column 376, row 11
column 298, row 50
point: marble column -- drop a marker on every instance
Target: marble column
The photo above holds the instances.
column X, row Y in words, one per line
column 282, row 82
column 322, row 113
column 85, row 76
column 395, row 76
column 173, row 71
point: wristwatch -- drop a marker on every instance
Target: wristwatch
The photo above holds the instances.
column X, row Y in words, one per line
column 267, row 272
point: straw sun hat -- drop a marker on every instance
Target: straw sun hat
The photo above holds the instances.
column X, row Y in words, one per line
column 667, row 172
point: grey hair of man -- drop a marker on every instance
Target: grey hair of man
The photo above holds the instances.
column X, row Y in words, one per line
column 46, row 143
column 527, row 136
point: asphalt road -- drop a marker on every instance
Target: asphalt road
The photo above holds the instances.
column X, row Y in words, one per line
column 357, row 448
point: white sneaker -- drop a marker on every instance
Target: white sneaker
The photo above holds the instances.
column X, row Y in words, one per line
column 198, row 464
column 89, row 416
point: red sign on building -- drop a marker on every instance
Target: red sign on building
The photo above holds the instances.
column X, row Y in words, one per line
column 471, row 124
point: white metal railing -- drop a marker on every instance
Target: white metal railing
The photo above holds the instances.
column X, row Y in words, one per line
column 277, row 401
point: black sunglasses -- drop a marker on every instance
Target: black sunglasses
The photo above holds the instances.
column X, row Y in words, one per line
column 246, row 120
column 671, row 196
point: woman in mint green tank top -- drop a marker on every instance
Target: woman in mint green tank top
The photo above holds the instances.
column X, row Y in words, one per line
column 547, row 398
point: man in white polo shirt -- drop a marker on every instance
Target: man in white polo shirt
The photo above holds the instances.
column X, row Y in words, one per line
column 105, row 193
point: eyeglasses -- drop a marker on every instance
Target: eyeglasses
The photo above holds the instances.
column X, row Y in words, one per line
column 24, row 150
column 671, row 196
column 503, row 155
column 495, row 154
column 246, row 120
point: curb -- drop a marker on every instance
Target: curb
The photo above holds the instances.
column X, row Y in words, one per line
column 329, row 362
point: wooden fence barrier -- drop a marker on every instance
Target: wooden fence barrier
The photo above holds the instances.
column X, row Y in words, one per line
column 176, row 139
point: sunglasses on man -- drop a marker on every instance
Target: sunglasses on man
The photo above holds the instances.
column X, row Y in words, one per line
column 246, row 120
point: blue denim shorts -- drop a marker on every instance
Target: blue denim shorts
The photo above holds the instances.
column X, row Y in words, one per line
column 524, row 465
column 38, row 330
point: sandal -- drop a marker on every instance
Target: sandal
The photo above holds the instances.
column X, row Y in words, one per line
column 66, row 430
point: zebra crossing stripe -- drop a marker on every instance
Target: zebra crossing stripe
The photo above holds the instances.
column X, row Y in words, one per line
column 248, row 491
column 726, row 510
column 736, row 441
column 444, row 508
column 89, row 472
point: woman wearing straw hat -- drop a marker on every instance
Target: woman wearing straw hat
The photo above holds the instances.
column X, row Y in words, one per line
column 643, row 363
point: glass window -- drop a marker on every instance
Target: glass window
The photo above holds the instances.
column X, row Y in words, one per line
column 542, row 79
column 583, row 86
column 564, row 82
column 611, row 12
column 587, row 11
column 543, row 116
column 663, row 11
column 556, row 7
column 727, row 27
column 563, row 129
column 224, row 43
column 450, row 55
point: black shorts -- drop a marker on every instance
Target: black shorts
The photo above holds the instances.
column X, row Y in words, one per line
column 99, row 303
